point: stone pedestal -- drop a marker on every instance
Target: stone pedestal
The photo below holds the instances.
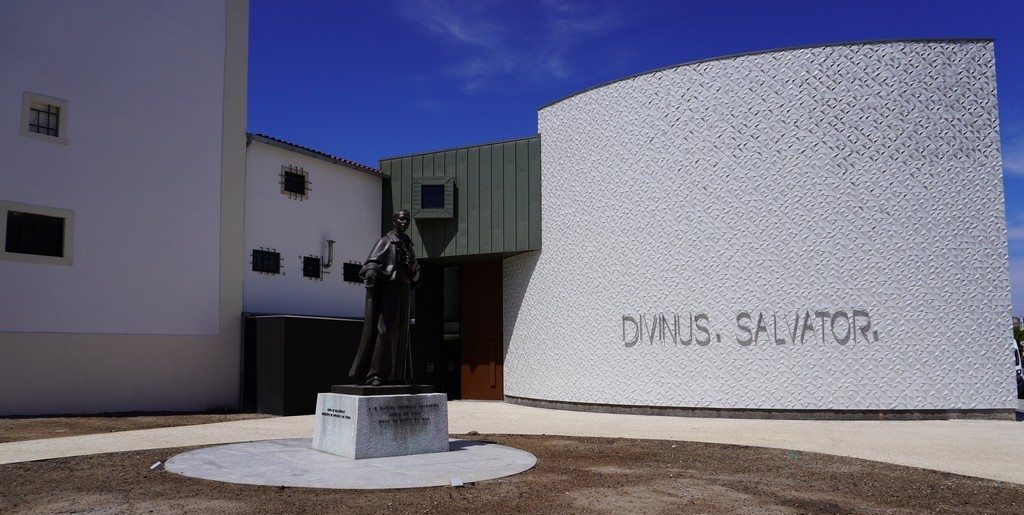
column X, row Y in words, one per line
column 376, row 426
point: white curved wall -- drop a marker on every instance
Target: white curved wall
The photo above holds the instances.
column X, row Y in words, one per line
column 861, row 181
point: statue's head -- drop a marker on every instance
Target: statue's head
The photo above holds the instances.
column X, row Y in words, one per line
column 400, row 220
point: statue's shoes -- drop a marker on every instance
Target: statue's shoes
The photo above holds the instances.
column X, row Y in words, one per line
column 373, row 381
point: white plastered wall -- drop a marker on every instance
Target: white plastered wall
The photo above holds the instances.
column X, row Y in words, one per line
column 343, row 204
column 147, row 316
column 852, row 180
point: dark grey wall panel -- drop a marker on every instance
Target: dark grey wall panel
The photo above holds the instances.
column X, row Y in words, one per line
column 509, row 222
column 472, row 204
column 406, row 167
column 485, row 200
column 463, row 189
column 497, row 198
column 450, row 229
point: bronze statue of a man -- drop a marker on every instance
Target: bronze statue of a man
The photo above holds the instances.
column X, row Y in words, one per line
column 389, row 274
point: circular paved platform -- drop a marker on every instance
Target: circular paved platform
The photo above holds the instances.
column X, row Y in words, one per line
column 293, row 463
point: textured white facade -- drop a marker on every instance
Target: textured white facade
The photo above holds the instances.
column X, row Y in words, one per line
column 782, row 201
column 343, row 204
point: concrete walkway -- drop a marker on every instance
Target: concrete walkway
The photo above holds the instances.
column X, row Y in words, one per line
column 981, row 448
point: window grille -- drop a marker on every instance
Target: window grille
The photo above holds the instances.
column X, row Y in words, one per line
column 433, row 197
column 44, row 119
column 311, row 267
column 266, row 261
column 350, row 272
column 294, row 182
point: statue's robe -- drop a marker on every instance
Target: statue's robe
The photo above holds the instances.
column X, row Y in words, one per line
column 384, row 349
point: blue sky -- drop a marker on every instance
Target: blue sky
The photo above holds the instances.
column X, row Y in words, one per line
column 367, row 80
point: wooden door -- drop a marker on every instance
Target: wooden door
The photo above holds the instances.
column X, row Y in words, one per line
column 481, row 326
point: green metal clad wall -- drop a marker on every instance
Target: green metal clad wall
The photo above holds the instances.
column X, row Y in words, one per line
column 497, row 198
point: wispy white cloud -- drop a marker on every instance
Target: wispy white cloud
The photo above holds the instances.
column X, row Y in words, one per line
column 1015, row 234
column 569, row 25
column 513, row 43
column 459, row 21
column 1013, row 154
column 567, row 20
column 555, row 65
column 474, row 73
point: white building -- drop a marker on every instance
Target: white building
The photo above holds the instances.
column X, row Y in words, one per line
column 121, row 206
column 139, row 221
column 775, row 231
column 296, row 199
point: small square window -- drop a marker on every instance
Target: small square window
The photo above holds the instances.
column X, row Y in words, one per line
column 36, row 234
column 433, row 196
column 350, row 272
column 44, row 118
column 266, row 261
column 294, row 182
column 311, row 267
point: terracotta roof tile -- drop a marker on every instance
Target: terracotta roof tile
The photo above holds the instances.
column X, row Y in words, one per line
column 292, row 146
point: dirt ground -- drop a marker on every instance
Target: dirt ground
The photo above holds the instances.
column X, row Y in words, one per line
column 573, row 475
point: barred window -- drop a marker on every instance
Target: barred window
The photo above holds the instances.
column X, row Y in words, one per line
column 350, row 272
column 311, row 267
column 294, row 182
column 266, row 261
column 44, row 119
